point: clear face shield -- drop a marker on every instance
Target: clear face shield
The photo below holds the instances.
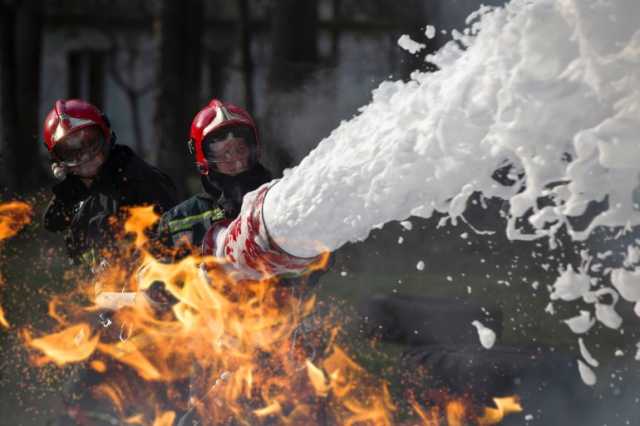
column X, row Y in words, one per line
column 230, row 151
column 82, row 152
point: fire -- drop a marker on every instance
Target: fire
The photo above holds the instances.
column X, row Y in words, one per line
column 505, row 406
column 165, row 419
column 318, row 379
column 14, row 215
column 3, row 320
column 73, row 344
column 141, row 218
column 456, row 412
column 239, row 346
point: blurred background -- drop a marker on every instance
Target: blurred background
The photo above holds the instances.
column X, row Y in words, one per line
column 300, row 67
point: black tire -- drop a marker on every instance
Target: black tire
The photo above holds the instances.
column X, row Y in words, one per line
column 416, row 321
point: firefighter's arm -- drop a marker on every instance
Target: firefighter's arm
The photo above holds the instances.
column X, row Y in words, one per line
column 156, row 189
column 247, row 246
column 60, row 211
column 113, row 300
column 154, row 297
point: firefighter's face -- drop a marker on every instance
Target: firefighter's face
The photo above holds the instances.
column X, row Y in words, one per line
column 82, row 152
column 229, row 155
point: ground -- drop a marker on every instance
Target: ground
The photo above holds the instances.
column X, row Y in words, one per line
column 486, row 270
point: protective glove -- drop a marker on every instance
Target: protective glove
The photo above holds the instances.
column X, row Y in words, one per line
column 70, row 190
column 159, row 298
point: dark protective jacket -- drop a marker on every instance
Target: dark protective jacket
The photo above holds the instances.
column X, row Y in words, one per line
column 186, row 224
column 85, row 214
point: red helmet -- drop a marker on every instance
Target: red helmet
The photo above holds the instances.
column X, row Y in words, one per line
column 215, row 116
column 68, row 116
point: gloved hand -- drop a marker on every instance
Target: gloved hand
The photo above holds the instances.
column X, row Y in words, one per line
column 60, row 211
column 159, row 298
column 70, row 190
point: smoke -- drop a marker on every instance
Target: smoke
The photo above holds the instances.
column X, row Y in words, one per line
column 295, row 121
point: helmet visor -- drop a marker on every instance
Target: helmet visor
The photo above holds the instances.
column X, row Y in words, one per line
column 230, row 151
column 80, row 146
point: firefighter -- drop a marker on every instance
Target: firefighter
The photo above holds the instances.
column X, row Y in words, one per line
column 224, row 141
column 97, row 178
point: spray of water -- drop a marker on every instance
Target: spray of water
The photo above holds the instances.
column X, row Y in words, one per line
column 548, row 89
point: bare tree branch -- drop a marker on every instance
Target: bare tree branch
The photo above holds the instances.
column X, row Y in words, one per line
column 132, row 93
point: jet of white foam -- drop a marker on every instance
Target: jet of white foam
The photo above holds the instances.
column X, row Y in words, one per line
column 550, row 87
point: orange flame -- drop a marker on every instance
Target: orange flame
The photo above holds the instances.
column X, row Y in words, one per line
column 235, row 342
column 455, row 411
column 140, row 219
column 428, row 417
column 318, row 379
column 165, row 419
column 99, row 366
column 3, row 319
column 70, row 345
column 505, row 406
column 14, row 215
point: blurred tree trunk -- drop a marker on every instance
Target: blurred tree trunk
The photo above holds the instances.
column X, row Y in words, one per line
column 86, row 76
column 218, row 59
column 294, row 37
column 336, row 6
column 9, row 128
column 126, row 81
column 21, row 41
column 294, row 44
column 179, row 72
column 96, row 76
column 28, row 65
column 247, row 62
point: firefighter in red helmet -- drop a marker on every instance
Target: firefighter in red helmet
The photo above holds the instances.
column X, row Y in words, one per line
column 97, row 178
column 225, row 143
